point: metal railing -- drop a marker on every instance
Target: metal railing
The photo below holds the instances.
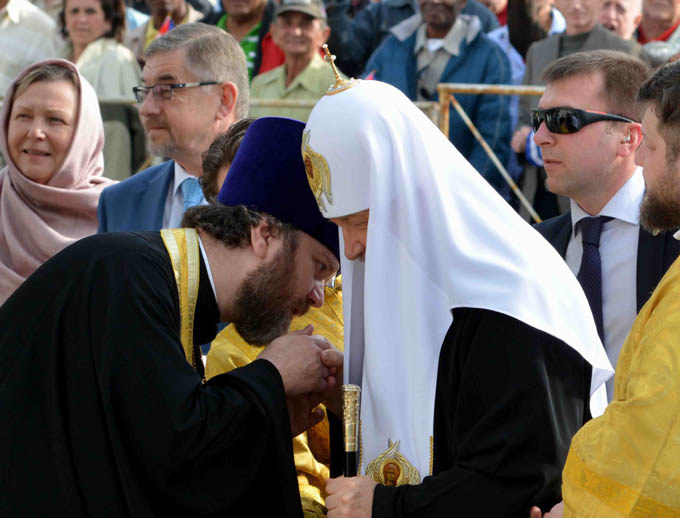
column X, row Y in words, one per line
column 446, row 93
column 429, row 108
column 437, row 112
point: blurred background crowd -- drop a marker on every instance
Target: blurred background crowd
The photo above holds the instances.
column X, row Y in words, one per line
column 412, row 44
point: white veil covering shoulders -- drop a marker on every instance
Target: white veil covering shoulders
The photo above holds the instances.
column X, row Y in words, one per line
column 439, row 237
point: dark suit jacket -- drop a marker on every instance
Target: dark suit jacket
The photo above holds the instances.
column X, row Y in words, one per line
column 655, row 253
column 543, row 52
column 137, row 203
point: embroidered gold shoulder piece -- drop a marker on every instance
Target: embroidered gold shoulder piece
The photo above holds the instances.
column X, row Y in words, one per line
column 318, row 173
column 391, row 468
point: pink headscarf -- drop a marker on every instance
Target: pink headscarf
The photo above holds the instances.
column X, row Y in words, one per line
column 37, row 221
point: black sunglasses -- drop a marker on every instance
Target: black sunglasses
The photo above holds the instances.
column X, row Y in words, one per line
column 565, row 120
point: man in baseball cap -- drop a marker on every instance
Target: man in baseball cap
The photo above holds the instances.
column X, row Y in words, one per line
column 299, row 29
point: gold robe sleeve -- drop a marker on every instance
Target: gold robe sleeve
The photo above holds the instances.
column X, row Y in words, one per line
column 627, row 462
column 312, row 448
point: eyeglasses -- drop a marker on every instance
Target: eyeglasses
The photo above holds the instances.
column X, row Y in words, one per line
column 164, row 92
column 569, row 120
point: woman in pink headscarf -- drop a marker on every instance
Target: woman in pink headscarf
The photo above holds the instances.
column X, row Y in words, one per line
column 52, row 139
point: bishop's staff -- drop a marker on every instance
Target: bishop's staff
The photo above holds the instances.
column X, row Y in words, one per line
column 351, row 397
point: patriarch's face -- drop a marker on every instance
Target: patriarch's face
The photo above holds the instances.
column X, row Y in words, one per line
column 354, row 231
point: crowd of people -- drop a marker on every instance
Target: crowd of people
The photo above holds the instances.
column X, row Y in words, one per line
column 175, row 338
column 413, row 45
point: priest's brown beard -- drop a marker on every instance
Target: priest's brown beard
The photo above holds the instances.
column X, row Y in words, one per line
column 660, row 208
column 264, row 308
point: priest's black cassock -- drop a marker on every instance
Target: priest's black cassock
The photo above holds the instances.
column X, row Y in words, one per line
column 102, row 415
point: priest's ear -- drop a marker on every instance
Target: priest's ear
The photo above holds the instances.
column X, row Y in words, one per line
column 261, row 238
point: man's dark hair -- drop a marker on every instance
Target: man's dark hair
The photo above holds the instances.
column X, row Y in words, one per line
column 221, row 153
column 231, row 225
column 662, row 91
column 623, row 75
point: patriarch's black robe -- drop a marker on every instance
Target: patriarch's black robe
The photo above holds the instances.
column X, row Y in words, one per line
column 103, row 416
column 508, row 400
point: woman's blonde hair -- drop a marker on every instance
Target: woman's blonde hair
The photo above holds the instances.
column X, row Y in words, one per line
column 50, row 72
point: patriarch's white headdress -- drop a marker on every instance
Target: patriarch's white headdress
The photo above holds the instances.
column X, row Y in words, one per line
column 439, row 237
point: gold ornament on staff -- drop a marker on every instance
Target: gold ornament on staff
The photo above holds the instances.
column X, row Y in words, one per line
column 351, row 401
column 340, row 83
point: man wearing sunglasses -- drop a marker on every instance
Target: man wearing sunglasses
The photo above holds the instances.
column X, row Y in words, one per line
column 586, row 129
column 625, row 463
column 582, row 33
column 195, row 85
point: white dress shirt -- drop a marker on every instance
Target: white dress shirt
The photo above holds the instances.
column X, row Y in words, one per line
column 618, row 253
column 174, row 204
column 210, row 277
column 207, row 266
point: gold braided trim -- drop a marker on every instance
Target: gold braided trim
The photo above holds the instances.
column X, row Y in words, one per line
column 431, row 453
column 183, row 248
column 614, row 495
column 361, row 448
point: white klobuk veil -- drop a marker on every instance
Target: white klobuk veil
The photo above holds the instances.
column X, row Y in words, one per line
column 439, row 237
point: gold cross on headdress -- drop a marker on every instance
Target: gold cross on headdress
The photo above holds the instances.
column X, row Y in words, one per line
column 340, row 83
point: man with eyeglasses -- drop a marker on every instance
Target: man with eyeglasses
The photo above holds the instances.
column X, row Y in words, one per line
column 625, row 463
column 587, row 131
column 195, row 87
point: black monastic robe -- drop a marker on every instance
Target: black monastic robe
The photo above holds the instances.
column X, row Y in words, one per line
column 508, row 400
column 103, row 416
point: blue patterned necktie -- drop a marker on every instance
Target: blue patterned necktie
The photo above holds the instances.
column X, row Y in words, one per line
column 191, row 190
column 590, row 272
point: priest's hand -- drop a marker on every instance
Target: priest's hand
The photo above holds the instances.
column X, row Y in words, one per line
column 350, row 497
column 555, row 512
column 304, row 412
column 303, row 368
column 333, row 358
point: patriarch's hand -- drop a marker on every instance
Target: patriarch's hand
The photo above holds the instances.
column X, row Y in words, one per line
column 350, row 497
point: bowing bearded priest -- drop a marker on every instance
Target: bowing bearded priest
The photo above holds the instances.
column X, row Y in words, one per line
column 105, row 412
column 473, row 342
